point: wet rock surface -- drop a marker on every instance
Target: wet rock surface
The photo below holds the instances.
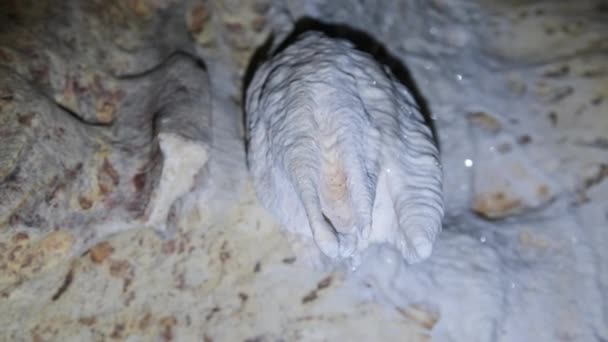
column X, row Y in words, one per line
column 100, row 101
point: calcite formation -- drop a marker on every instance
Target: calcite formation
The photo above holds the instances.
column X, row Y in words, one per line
column 334, row 141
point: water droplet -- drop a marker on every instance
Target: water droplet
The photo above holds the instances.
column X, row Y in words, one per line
column 388, row 170
column 468, row 162
column 459, row 77
column 482, row 239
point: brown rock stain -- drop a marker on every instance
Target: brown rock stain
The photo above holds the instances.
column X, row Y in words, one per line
column 224, row 252
column 122, row 269
column 88, row 321
column 495, row 205
column 144, row 322
column 100, row 252
column 168, row 247
column 25, row 119
column 531, row 240
column 325, row 283
column 140, row 7
column 104, row 111
column 20, row 237
column 85, row 203
column 57, row 243
column 310, row 297
column 542, row 191
column 118, row 330
column 485, row 121
column 197, row 18
column 107, row 177
column 167, row 323
column 420, row 315
column 139, row 181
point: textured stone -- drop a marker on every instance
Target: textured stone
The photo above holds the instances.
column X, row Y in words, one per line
column 506, row 182
column 537, row 67
column 84, row 150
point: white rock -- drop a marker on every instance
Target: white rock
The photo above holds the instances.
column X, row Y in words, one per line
column 325, row 124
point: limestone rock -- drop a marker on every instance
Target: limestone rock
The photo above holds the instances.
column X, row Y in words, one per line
column 84, row 151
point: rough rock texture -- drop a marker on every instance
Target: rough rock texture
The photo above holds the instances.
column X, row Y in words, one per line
column 537, row 271
column 85, row 152
column 200, row 285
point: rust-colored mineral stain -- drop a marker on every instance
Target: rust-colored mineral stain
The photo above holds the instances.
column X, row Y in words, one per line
column 108, row 169
column 543, row 191
column 6, row 56
column 119, row 328
column 57, row 242
column 140, row 7
column 168, row 247
column 495, row 205
column 485, row 121
column 20, row 237
column 88, row 321
column 105, row 111
column 309, row 297
column 145, row 321
column 101, row 252
column 139, row 181
column 85, row 203
column 419, row 315
column 325, row 283
column 167, row 323
column 312, row 295
column 530, row 240
column 121, row 269
column 107, row 177
column 199, row 15
column 26, row 119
